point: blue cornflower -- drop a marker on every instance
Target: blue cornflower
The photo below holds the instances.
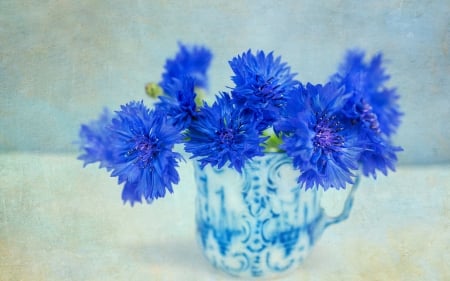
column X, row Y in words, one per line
column 142, row 141
column 378, row 154
column 317, row 136
column 261, row 82
column 224, row 133
column 373, row 109
column 94, row 141
column 376, row 104
column 179, row 102
column 190, row 61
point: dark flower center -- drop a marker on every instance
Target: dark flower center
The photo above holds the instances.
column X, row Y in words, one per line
column 226, row 136
column 368, row 117
column 146, row 149
column 264, row 89
column 327, row 137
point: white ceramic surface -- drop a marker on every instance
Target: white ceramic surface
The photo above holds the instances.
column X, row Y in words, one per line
column 259, row 223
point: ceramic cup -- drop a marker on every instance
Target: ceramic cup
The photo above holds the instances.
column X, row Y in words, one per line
column 259, row 223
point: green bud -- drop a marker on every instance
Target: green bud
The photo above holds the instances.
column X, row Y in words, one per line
column 153, row 90
column 200, row 96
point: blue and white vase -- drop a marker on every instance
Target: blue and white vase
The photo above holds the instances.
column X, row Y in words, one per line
column 259, row 223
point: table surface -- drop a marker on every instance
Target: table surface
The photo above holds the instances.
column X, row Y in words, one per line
column 59, row 221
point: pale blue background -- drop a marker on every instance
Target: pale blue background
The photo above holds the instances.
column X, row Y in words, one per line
column 62, row 61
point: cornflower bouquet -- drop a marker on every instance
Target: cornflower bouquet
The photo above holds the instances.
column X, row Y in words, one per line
column 332, row 131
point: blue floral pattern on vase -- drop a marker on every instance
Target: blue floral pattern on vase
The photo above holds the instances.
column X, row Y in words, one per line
column 258, row 223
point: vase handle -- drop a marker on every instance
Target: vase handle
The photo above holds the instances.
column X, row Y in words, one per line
column 325, row 221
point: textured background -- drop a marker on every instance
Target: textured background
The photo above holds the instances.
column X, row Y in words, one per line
column 62, row 61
